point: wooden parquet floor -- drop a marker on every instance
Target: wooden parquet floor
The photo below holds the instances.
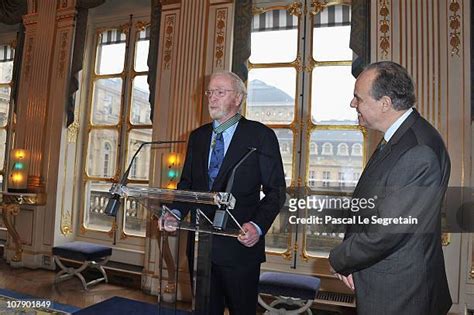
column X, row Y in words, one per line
column 39, row 283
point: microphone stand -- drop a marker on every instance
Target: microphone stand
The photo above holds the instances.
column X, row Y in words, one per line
column 222, row 214
column 114, row 202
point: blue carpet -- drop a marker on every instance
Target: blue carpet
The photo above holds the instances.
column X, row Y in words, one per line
column 11, row 295
column 122, row 306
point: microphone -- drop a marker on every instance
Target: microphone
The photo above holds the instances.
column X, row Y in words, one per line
column 222, row 215
column 114, row 202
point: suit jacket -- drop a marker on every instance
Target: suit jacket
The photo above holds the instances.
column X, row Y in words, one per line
column 399, row 269
column 263, row 169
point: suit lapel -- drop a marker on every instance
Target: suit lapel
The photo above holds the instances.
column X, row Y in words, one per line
column 206, row 144
column 234, row 152
column 395, row 138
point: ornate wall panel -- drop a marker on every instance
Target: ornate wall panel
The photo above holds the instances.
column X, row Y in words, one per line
column 431, row 39
column 32, row 110
column 45, row 73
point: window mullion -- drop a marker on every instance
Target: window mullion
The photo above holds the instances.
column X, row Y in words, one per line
column 126, row 98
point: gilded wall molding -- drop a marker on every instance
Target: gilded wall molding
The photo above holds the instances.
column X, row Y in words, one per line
column 219, row 41
column 29, row 19
column 9, row 211
column 66, row 15
column 141, row 25
column 317, row 6
column 384, row 28
column 296, row 9
column 66, row 223
column 454, row 27
column 170, row 22
column 445, row 239
column 256, row 10
column 63, row 53
column 28, row 56
column 73, row 132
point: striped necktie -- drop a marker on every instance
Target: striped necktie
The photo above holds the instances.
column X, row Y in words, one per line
column 217, row 157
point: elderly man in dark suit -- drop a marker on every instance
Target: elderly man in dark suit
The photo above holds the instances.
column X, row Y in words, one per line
column 213, row 150
column 397, row 268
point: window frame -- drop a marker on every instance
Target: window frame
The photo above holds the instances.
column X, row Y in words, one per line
column 124, row 126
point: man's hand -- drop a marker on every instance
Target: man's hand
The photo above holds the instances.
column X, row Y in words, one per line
column 251, row 236
column 348, row 281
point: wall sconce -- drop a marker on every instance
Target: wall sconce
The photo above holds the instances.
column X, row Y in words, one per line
column 171, row 170
column 18, row 177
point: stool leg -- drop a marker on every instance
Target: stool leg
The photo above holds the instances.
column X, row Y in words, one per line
column 271, row 309
column 67, row 273
column 100, row 266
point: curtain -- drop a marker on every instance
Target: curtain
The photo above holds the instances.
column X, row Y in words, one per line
column 153, row 51
column 242, row 32
column 11, row 11
column 82, row 8
column 360, row 35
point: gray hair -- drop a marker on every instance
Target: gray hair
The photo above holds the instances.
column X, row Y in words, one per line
column 393, row 80
column 237, row 82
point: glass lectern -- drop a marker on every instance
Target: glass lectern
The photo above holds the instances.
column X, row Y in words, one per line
column 203, row 228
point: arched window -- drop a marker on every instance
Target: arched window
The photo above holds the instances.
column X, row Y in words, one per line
column 342, row 149
column 327, row 149
column 356, row 149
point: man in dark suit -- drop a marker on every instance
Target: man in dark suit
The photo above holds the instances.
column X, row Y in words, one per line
column 213, row 150
column 396, row 268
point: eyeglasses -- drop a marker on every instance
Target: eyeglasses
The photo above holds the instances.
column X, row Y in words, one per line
column 218, row 92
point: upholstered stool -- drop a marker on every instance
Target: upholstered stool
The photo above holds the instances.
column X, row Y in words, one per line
column 288, row 289
column 92, row 255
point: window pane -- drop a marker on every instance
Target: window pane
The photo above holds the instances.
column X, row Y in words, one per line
column 4, row 105
column 269, row 31
column 332, row 92
column 7, row 54
column 271, row 95
column 321, row 238
column 338, row 161
column 6, row 70
column 285, row 139
column 135, row 217
column 140, row 113
column 141, row 165
column 141, row 50
column 96, row 200
column 3, row 140
column 106, row 101
column 278, row 236
column 110, row 52
column 332, row 43
column 102, row 152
